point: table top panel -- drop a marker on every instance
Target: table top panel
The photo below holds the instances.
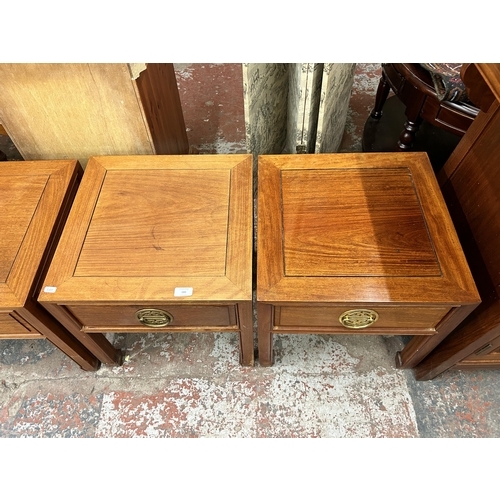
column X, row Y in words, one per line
column 19, row 198
column 362, row 228
column 158, row 223
column 34, row 199
column 354, row 222
column 157, row 228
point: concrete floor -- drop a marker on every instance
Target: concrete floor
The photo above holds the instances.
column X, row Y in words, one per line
column 191, row 385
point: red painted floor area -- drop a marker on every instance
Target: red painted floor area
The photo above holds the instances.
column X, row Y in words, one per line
column 212, row 103
column 191, row 385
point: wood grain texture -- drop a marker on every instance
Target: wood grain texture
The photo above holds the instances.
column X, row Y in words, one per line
column 491, row 76
column 349, row 231
column 64, row 111
column 34, row 203
column 143, row 226
column 159, row 96
column 264, row 333
column 419, row 347
column 112, row 316
column 158, row 222
column 274, row 282
column 12, row 326
column 33, row 195
column 359, row 222
column 389, row 317
column 19, row 197
column 205, row 226
column 470, row 184
column 481, row 82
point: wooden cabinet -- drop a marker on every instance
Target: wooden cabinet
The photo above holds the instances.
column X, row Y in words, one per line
column 65, row 111
column 35, row 197
column 471, row 185
column 361, row 244
column 156, row 243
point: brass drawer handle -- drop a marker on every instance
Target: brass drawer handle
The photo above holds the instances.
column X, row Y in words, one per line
column 155, row 318
column 358, row 318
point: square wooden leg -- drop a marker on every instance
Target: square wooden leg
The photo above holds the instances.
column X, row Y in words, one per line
column 246, row 333
column 265, row 336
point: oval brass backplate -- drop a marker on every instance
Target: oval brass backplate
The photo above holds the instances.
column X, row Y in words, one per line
column 155, row 318
column 358, row 318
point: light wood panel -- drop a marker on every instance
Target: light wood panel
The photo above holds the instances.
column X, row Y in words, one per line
column 65, row 111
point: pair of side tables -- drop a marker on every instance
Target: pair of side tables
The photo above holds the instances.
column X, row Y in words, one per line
column 346, row 243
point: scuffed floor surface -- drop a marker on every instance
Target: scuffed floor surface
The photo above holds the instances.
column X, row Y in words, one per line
column 191, row 385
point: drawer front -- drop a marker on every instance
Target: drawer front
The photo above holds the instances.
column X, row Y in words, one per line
column 11, row 326
column 109, row 317
column 358, row 319
column 488, row 353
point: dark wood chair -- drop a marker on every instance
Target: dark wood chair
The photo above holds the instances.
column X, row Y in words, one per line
column 413, row 86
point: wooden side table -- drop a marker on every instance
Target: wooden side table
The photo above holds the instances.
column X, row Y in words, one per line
column 155, row 244
column 35, row 198
column 361, row 244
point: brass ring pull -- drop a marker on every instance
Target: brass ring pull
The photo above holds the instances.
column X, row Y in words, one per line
column 358, row 318
column 155, row 318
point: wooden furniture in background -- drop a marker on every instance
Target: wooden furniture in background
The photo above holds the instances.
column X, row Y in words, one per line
column 470, row 183
column 357, row 243
column 60, row 111
column 35, row 198
column 156, row 244
column 413, row 86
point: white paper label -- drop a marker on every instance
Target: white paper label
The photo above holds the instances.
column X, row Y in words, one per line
column 50, row 289
column 183, row 291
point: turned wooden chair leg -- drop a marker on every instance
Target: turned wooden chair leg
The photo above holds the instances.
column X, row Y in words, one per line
column 380, row 98
column 407, row 136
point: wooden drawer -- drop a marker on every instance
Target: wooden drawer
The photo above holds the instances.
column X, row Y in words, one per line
column 160, row 316
column 487, row 355
column 386, row 317
column 11, row 326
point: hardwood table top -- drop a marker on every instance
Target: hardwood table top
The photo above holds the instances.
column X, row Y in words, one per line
column 362, row 228
column 32, row 197
column 148, row 228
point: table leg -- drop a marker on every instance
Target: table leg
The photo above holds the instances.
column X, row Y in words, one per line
column 420, row 346
column 407, row 136
column 245, row 310
column 60, row 337
column 96, row 343
column 382, row 93
column 265, row 336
